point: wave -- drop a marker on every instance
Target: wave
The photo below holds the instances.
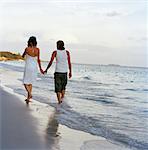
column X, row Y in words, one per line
column 136, row 90
column 99, row 99
column 81, row 78
column 128, row 97
column 12, row 67
column 145, row 90
column 132, row 89
column 87, row 78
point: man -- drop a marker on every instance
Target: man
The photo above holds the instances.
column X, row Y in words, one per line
column 63, row 62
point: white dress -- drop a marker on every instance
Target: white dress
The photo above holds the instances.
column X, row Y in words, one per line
column 31, row 70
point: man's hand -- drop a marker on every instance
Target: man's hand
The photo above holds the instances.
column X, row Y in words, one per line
column 70, row 75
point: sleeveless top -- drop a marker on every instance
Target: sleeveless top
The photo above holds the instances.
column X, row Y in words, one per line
column 61, row 61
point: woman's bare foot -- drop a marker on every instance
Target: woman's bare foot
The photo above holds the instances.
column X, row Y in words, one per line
column 28, row 100
column 29, row 97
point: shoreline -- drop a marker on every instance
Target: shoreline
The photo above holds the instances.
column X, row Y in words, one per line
column 42, row 127
column 2, row 59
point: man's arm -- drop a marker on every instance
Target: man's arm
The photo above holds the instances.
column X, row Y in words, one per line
column 69, row 64
column 51, row 60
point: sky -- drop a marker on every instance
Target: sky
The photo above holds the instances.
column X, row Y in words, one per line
column 94, row 31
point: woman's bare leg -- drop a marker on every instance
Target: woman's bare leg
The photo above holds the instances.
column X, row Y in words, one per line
column 30, row 91
column 27, row 89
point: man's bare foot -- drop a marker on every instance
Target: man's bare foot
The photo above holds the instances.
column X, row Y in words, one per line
column 62, row 99
column 59, row 102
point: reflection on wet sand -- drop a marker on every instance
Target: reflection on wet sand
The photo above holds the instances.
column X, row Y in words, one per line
column 53, row 136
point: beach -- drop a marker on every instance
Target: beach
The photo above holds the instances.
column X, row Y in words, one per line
column 43, row 124
column 35, row 126
column 20, row 131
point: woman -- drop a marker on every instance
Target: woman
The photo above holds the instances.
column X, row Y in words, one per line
column 63, row 62
column 32, row 54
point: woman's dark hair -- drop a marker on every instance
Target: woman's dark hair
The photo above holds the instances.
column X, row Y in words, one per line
column 60, row 45
column 32, row 41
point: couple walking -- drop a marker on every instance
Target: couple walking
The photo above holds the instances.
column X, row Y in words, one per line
column 32, row 60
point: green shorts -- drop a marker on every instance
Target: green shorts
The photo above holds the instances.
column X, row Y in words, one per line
column 60, row 81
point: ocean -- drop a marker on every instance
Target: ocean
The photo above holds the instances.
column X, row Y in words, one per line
column 104, row 100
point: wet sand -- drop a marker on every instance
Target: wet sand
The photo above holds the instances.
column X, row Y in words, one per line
column 18, row 127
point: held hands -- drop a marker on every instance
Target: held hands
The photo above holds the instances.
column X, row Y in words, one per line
column 41, row 70
column 45, row 71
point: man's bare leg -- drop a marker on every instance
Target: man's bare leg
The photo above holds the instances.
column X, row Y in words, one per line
column 59, row 97
column 63, row 93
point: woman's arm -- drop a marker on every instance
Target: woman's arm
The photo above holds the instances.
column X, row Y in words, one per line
column 24, row 53
column 39, row 62
column 51, row 60
column 69, row 64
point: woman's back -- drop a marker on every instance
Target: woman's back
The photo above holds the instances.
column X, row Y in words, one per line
column 32, row 51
